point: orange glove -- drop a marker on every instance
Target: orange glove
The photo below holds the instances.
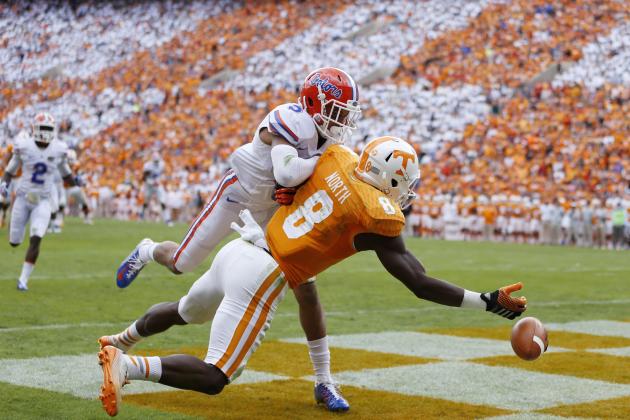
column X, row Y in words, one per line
column 284, row 195
column 501, row 303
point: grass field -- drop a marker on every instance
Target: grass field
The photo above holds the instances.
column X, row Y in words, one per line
column 395, row 356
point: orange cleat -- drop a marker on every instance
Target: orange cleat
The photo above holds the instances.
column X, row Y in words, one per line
column 105, row 341
column 114, row 378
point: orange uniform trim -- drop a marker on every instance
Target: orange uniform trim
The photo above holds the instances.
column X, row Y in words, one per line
column 249, row 313
column 262, row 318
column 205, row 213
column 146, row 364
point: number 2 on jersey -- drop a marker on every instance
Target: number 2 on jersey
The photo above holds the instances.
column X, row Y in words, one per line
column 315, row 209
column 39, row 169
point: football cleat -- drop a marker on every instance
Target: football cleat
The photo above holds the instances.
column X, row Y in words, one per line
column 21, row 287
column 110, row 340
column 330, row 394
column 131, row 266
column 114, row 378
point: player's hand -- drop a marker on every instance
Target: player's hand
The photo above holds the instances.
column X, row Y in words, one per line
column 284, row 195
column 502, row 303
column 4, row 189
column 250, row 231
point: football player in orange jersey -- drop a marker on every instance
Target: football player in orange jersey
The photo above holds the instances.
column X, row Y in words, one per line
column 348, row 205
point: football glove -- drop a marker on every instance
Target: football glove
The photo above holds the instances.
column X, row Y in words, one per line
column 4, row 189
column 501, row 303
column 250, row 231
column 284, row 195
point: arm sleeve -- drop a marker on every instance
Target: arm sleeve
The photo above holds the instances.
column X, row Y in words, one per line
column 278, row 126
column 14, row 164
column 289, row 170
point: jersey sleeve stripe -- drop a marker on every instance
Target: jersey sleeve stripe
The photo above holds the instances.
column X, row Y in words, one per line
column 276, row 129
column 284, row 126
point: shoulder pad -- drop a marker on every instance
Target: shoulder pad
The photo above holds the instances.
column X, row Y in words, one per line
column 292, row 123
column 22, row 139
column 60, row 147
column 382, row 216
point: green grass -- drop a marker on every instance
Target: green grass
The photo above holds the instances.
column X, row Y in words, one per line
column 73, row 287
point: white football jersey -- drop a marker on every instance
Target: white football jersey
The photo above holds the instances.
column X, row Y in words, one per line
column 39, row 165
column 252, row 161
column 155, row 170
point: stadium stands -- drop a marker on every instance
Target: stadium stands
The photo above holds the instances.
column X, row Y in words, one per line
column 127, row 79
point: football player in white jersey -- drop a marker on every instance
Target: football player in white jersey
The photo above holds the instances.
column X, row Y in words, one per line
column 151, row 174
column 38, row 154
column 282, row 155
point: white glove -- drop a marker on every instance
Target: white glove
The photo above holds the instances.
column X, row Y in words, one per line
column 4, row 189
column 250, row 231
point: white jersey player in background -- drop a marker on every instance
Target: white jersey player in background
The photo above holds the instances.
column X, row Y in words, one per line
column 57, row 203
column 281, row 156
column 38, row 153
column 151, row 176
column 76, row 192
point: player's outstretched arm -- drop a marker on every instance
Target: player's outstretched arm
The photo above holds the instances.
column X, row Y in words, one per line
column 403, row 265
column 400, row 263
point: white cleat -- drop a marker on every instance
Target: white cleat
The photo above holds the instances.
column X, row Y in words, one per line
column 114, row 378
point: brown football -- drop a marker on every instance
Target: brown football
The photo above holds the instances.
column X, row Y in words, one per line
column 529, row 338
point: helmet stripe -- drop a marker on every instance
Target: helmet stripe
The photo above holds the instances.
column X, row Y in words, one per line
column 355, row 90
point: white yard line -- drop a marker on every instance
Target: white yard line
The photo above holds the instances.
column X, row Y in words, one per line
column 81, row 376
column 418, row 344
column 488, row 385
column 596, row 327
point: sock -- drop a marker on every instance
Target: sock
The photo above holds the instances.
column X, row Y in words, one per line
column 320, row 357
column 145, row 368
column 27, row 269
column 127, row 339
column 145, row 252
column 472, row 300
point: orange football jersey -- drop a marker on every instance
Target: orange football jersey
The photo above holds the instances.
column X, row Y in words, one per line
column 328, row 211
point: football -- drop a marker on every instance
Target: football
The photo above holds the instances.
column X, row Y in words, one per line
column 529, row 338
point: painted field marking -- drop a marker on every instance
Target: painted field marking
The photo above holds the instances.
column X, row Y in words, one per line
column 614, row 351
column 81, row 376
column 601, row 327
column 62, row 326
column 488, row 385
column 534, row 416
column 444, row 347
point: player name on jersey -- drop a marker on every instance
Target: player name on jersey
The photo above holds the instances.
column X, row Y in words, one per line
column 337, row 187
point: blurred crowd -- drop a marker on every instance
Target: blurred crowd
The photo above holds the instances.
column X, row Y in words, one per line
column 522, row 219
column 193, row 80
